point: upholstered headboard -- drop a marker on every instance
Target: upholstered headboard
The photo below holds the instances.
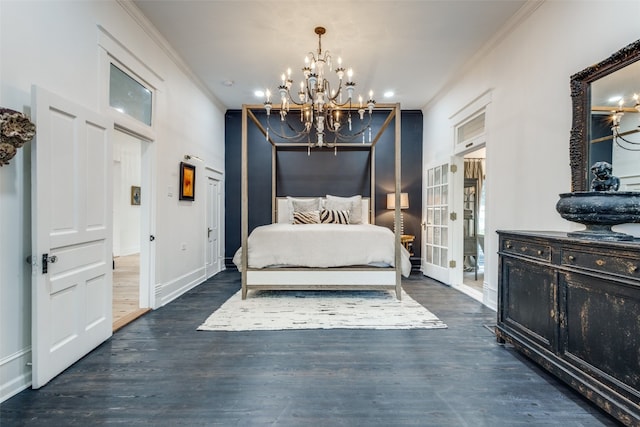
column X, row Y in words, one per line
column 283, row 214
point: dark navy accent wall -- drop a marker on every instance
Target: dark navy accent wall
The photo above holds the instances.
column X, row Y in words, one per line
column 411, row 166
column 321, row 173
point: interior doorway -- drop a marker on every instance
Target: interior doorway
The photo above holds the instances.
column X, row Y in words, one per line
column 128, row 200
column 474, row 221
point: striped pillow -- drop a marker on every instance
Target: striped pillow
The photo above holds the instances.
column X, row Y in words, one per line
column 328, row 216
column 311, row 217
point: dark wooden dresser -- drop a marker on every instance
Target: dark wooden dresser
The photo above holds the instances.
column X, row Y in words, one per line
column 573, row 306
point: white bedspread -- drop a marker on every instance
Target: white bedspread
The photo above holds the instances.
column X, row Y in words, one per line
column 322, row 245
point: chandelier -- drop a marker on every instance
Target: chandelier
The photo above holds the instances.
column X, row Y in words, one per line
column 325, row 107
column 617, row 118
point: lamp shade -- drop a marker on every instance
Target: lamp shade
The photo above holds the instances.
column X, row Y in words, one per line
column 404, row 200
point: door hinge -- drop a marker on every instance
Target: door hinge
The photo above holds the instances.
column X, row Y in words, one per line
column 453, row 168
column 453, row 216
column 452, row 264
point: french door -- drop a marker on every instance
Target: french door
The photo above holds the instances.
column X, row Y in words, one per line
column 435, row 251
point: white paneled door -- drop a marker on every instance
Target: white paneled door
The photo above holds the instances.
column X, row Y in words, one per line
column 71, row 232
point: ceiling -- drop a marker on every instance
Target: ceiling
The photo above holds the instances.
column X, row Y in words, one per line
column 411, row 47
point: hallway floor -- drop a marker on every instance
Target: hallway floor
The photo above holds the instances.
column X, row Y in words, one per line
column 160, row 371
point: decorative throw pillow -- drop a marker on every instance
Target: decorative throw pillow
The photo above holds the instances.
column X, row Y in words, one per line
column 311, row 217
column 328, row 216
column 302, row 205
column 353, row 204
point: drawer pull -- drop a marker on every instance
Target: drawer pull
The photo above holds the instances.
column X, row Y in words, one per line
column 540, row 252
column 633, row 269
column 600, row 262
column 572, row 258
column 508, row 246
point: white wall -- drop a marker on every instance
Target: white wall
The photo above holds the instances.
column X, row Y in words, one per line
column 528, row 72
column 55, row 45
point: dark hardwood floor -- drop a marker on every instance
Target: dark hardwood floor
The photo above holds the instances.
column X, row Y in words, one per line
column 160, row 371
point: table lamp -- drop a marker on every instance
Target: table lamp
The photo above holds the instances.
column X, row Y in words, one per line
column 404, row 204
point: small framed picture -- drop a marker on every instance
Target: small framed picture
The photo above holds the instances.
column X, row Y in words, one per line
column 187, row 181
column 135, row 195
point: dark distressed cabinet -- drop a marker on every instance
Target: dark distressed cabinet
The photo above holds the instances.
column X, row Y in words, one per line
column 573, row 306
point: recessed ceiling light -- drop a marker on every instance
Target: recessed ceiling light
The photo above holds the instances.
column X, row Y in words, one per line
column 228, row 83
column 259, row 93
column 615, row 98
column 388, row 94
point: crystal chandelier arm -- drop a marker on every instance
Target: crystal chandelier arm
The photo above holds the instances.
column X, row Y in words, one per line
column 282, row 134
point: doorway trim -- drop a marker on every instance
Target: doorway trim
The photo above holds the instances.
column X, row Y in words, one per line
column 477, row 110
column 458, row 229
column 114, row 52
column 218, row 264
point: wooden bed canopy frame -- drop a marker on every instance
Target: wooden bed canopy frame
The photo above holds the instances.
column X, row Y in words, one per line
column 342, row 278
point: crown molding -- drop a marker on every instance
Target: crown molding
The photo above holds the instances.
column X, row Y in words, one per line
column 514, row 22
column 164, row 45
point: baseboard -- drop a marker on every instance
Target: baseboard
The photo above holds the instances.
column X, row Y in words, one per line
column 172, row 290
column 15, row 373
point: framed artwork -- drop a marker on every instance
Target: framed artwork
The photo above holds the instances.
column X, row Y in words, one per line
column 187, row 181
column 135, row 195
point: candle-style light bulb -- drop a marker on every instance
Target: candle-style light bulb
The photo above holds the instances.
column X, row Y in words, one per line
column 268, row 92
column 349, row 74
column 289, row 72
column 370, row 94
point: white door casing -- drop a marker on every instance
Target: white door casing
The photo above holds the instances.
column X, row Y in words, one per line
column 213, row 227
column 72, row 225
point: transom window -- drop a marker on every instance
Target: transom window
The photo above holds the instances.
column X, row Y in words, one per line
column 127, row 95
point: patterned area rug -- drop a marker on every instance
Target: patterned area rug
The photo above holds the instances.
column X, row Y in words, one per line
column 277, row 310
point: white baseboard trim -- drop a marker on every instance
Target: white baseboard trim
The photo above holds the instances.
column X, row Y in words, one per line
column 15, row 373
column 490, row 297
column 172, row 290
column 469, row 291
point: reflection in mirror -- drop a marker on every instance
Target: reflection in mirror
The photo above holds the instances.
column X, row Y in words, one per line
column 615, row 124
column 592, row 133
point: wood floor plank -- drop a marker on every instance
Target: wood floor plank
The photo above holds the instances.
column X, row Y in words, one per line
column 160, row 371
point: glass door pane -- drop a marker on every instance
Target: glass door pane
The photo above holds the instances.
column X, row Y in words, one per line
column 437, row 218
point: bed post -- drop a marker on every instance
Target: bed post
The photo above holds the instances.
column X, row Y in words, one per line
column 244, row 209
column 398, row 181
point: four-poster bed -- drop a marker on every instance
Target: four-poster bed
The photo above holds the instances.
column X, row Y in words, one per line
column 365, row 276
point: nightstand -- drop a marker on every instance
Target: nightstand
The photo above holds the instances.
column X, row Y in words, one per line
column 407, row 242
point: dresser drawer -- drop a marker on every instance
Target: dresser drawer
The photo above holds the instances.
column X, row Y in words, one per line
column 609, row 262
column 530, row 249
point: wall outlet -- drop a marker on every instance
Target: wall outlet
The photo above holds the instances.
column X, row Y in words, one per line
column 183, row 246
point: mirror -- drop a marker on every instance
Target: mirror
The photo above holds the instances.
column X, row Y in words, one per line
column 591, row 135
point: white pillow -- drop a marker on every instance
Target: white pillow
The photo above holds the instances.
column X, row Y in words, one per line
column 302, row 205
column 352, row 204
